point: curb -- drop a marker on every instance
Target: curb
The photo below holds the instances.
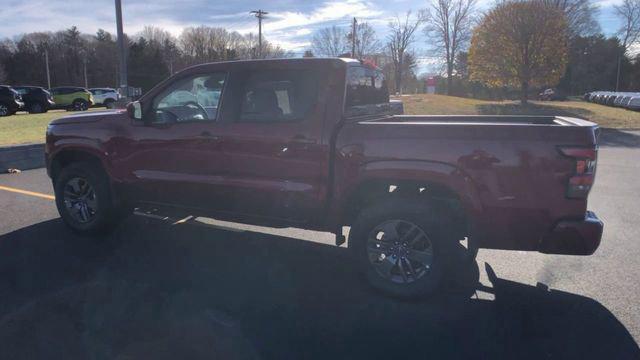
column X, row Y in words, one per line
column 21, row 157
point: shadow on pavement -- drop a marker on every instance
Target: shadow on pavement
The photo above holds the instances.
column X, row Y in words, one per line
column 619, row 138
column 157, row 291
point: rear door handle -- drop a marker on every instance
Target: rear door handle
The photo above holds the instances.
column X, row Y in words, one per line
column 301, row 139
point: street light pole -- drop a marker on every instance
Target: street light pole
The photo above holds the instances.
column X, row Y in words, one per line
column 86, row 81
column 121, row 52
column 46, row 60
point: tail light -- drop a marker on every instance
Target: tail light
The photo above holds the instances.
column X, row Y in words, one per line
column 585, row 170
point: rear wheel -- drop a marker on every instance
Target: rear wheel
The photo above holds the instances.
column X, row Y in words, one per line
column 108, row 103
column 401, row 247
column 84, row 199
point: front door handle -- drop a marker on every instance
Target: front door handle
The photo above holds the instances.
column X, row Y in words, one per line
column 207, row 136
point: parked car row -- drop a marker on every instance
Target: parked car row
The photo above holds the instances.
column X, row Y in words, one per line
column 627, row 100
column 36, row 99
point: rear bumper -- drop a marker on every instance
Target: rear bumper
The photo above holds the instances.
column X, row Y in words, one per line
column 574, row 237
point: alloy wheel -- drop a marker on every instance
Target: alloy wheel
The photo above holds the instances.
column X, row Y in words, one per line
column 400, row 251
column 80, row 200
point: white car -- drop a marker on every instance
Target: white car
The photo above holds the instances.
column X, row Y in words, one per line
column 634, row 103
column 104, row 96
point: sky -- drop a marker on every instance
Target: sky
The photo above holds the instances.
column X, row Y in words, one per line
column 289, row 23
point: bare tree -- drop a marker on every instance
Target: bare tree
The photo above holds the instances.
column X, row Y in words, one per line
column 448, row 26
column 401, row 38
column 155, row 35
column 330, row 42
column 367, row 43
column 579, row 14
column 629, row 33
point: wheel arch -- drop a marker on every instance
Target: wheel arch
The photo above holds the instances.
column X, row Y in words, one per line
column 66, row 156
column 443, row 184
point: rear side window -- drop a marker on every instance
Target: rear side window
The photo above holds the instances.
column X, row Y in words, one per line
column 365, row 86
column 278, row 95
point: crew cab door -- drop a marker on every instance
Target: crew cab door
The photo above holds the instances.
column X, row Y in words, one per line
column 272, row 139
column 175, row 156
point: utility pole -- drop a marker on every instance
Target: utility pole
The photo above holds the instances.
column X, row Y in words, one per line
column 46, row 60
column 353, row 38
column 260, row 15
column 124, row 88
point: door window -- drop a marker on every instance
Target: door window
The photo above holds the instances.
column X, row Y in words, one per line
column 278, row 96
column 194, row 98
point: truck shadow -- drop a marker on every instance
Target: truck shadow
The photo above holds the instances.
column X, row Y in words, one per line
column 156, row 291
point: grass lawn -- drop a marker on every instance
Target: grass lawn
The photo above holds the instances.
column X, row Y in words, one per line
column 605, row 116
column 24, row 128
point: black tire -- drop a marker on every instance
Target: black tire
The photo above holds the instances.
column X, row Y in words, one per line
column 105, row 215
column 433, row 224
column 108, row 103
column 36, row 108
column 4, row 110
column 79, row 105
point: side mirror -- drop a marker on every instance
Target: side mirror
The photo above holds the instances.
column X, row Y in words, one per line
column 134, row 109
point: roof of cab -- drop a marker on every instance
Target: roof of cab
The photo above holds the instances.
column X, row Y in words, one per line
column 276, row 61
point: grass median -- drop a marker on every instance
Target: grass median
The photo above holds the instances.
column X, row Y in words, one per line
column 605, row 116
column 30, row 128
column 24, row 128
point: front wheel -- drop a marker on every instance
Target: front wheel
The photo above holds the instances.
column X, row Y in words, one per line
column 4, row 110
column 84, row 199
column 400, row 247
column 80, row 105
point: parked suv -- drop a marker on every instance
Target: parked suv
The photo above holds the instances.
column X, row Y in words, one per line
column 36, row 99
column 10, row 101
column 104, row 96
column 72, row 98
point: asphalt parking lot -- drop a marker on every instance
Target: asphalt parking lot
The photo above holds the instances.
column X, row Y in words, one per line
column 201, row 289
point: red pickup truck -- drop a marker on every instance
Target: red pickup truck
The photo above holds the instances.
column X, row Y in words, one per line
column 313, row 143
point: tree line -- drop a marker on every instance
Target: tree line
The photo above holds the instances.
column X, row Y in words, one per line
column 515, row 47
column 152, row 55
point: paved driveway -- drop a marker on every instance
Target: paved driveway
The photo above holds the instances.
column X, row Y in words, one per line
column 205, row 289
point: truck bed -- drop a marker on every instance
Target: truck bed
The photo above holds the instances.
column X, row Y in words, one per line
column 489, row 120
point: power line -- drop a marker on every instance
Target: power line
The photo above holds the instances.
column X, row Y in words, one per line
column 260, row 15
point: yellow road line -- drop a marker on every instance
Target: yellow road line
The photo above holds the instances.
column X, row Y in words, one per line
column 25, row 192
